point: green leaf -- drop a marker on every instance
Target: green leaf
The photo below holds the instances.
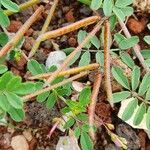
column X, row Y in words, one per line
column 14, row 100
column 25, row 88
column 75, row 58
column 128, row 43
column 16, row 114
column 135, row 77
column 85, row 128
column 119, row 13
column 69, row 123
column 100, row 58
column 3, row 69
column 4, row 80
column 86, row 142
column 3, row 38
column 148, row 118
column 34, row 67
column 118, row 74
column 128, row 11
column 8, row 4
column 129, row 109
column 113, row 22
column 14, row 83
column 52, row 98
column 42, row 97
column 148, row 94
column 82, row 117
column 144, row 84
column 4, row 104
column 95, row 41
column 77, row 132
column 125, row 43
column 147, row 62
column 127, row 59
column 95, row 4
column 147, row 39
column 84, row 97
column 4, row 20
column 119, row 96
column 123, row 3
column 85, row 59
column 139, row 114
column 108, row 7
column 81, row 36
column 146, row 53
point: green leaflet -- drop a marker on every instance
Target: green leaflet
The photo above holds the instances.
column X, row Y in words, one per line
column 14, row 100
column 52, row 98
column 119, row 96
column 139, row 114
column 144, row 84
column 135, row 77
column 3, row 69
column 126, row 58
column 86, row 142
column 129, row 109
column 8, row 4
column 108, row 7
column 85, row 59
column 96, row 4
column 118, row 74
column 16, row 114
column 148, row 118
column 123, row 3
column 84, row 97
column 4, row 20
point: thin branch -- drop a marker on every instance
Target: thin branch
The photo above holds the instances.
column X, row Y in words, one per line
column 64, row 30
column 92, row 105
column 78, row 49
column 27, row 97
column 67, row 72
column 23, row 6
column 21, row 32
column 136, row 48
column 44, row 28
column 107, row 61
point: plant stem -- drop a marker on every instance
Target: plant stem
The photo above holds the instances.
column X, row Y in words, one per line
column 78, row 49
column 67, row 72
column 64, row 30
column 44, row 28
column 27, row 97
column 107, row 62
column 92, row 105
column 23, row 6
column 136, row 47
column 21, row 32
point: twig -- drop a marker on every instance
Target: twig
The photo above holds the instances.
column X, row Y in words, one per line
column 136, row 47
column 72, row 55
column 64, row 30
column 92, row 105
column 44, row 28
column 107, row 61
column 67, row 72
column 27, row 97
column 21, row 32
column 23, row 6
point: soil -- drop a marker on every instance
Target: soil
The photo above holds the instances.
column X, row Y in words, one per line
column 38, row 117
